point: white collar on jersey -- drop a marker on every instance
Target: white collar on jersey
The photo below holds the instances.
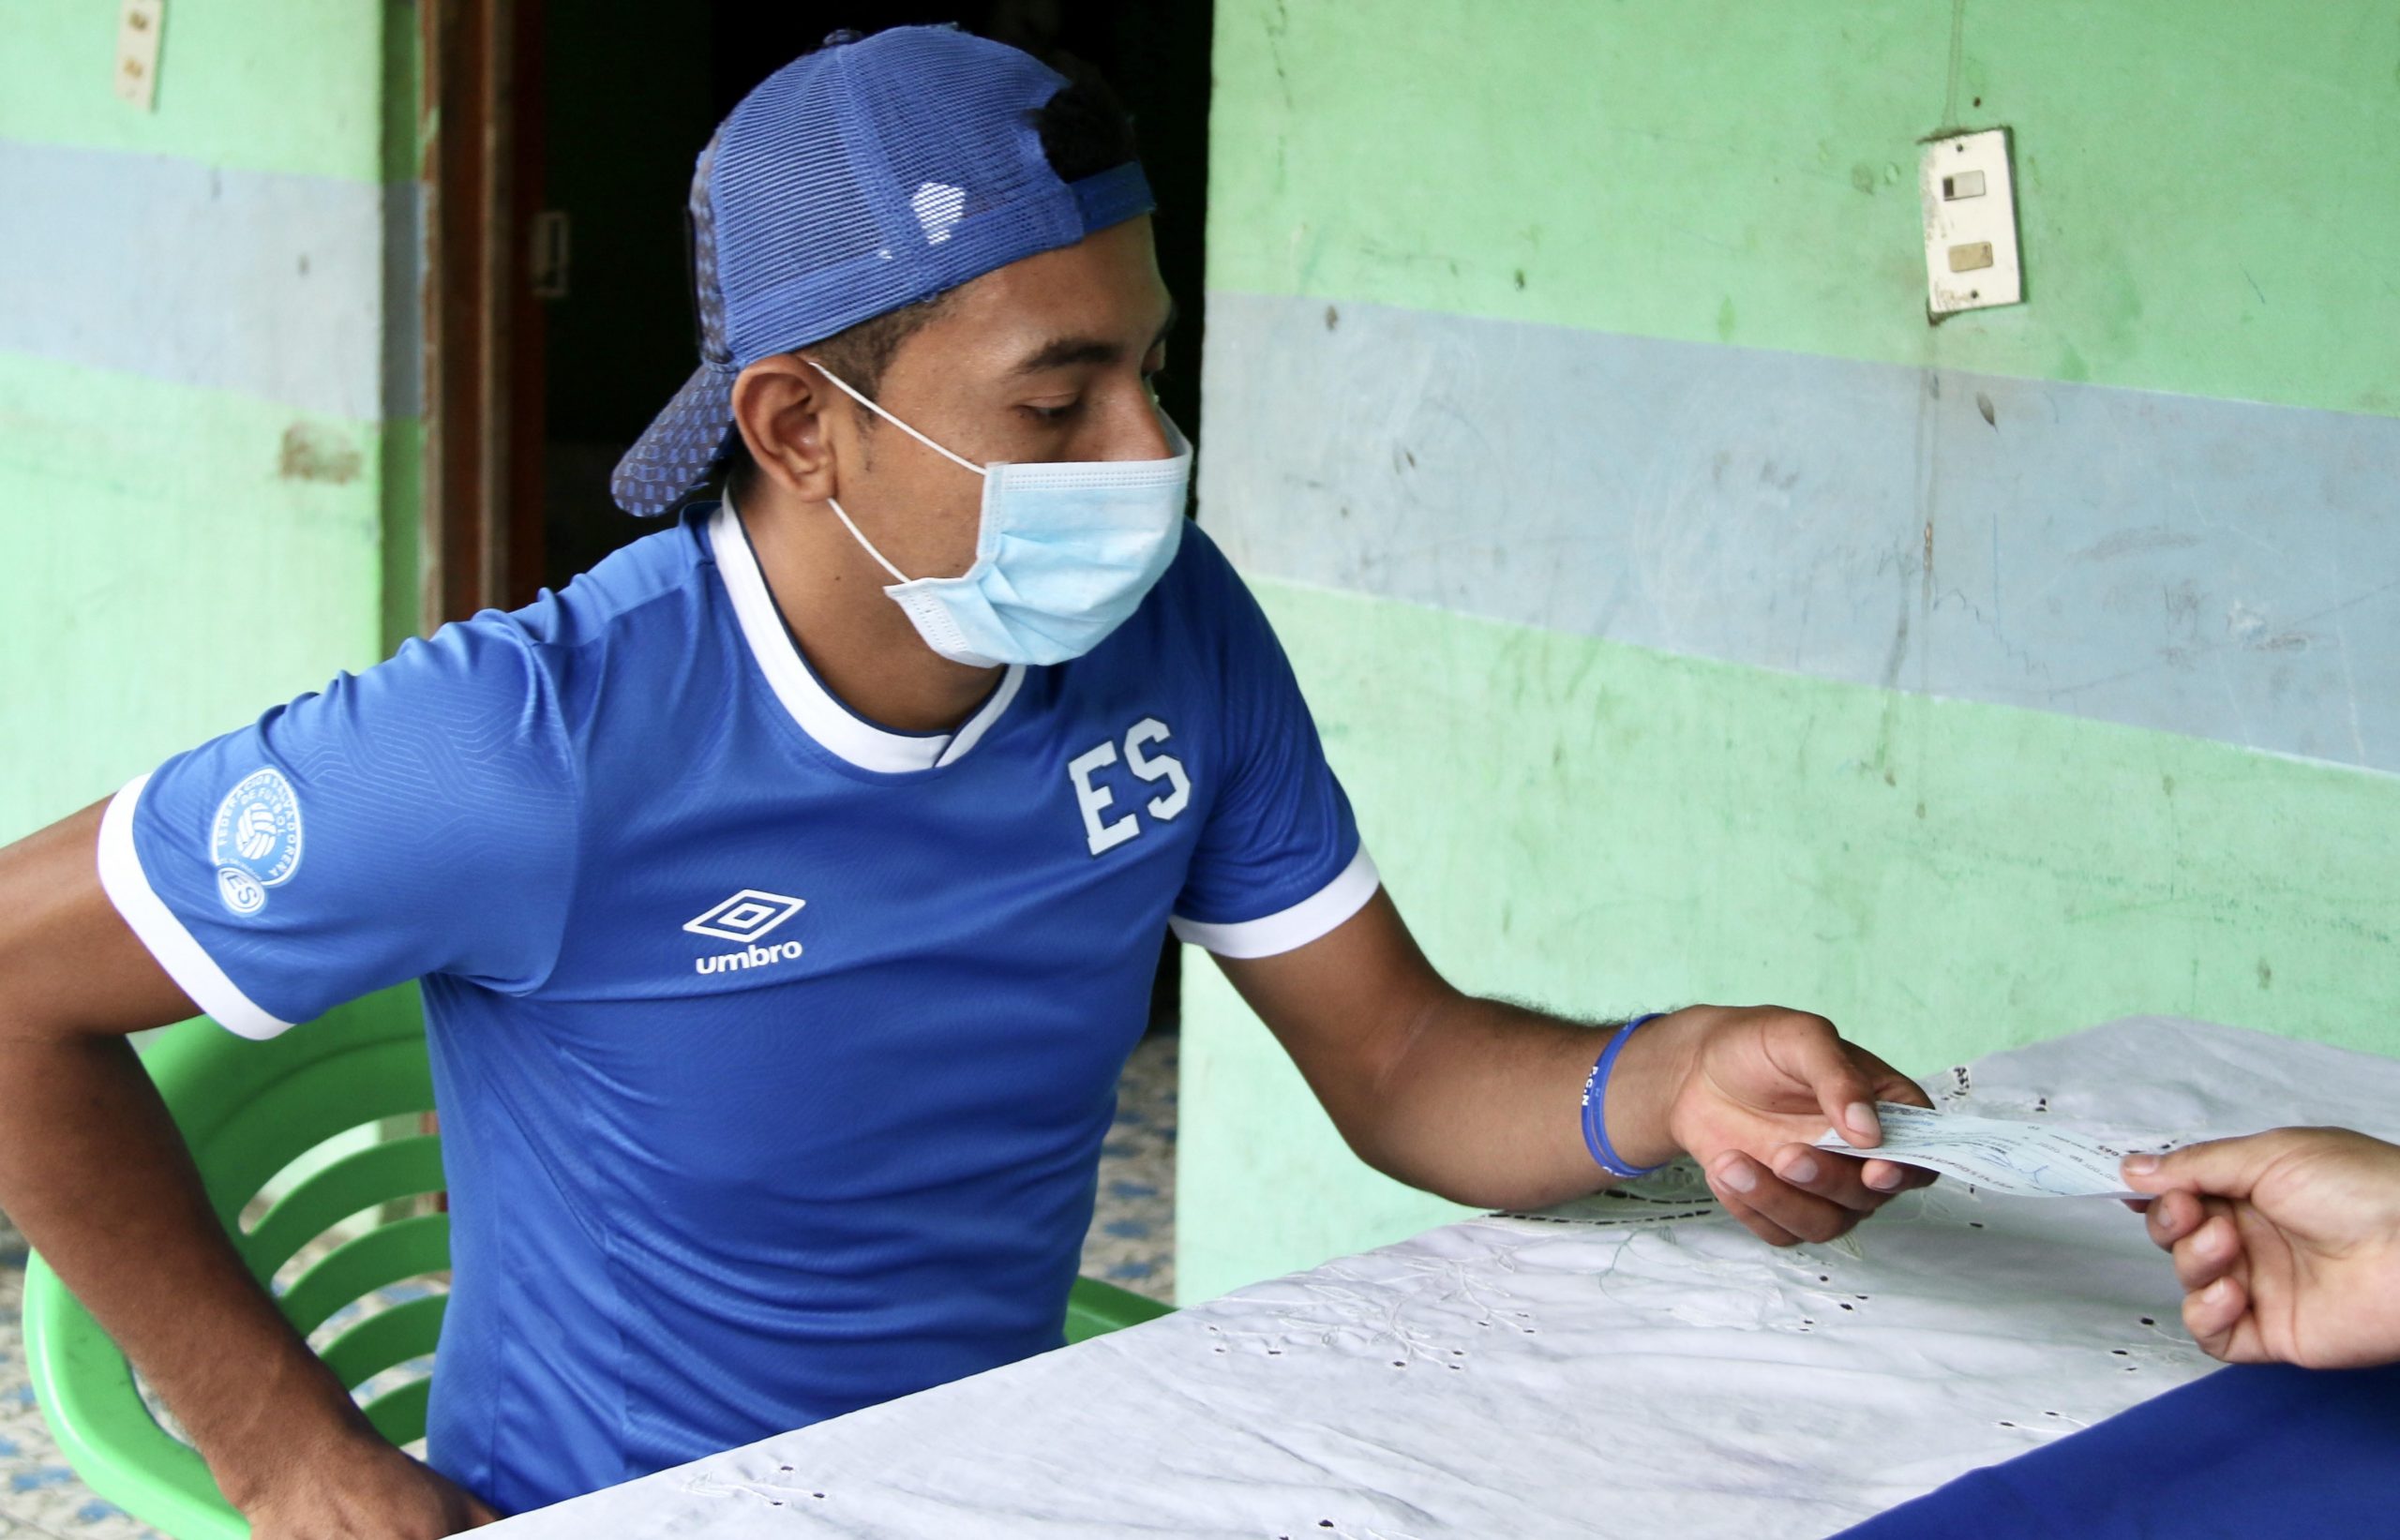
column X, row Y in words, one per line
column 832, row 725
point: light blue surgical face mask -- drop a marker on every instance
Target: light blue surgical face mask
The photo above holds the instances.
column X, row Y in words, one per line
column 1066, row 552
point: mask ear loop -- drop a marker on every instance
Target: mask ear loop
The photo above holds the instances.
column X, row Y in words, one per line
column 897, row 575
column 845, row 386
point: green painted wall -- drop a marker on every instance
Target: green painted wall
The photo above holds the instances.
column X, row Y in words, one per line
column 272, row 86
column 2203, row 184
column 182, row 556
column 192, row 540
column 2205, row 190
column 168, row 577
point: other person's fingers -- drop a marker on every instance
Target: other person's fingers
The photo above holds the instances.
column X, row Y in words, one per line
column 2173, row 1215
column 2215, row 1317
column 2226, row 1167
column 2208, row 1253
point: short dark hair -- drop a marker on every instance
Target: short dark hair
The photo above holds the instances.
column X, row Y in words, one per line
column 1085, row 130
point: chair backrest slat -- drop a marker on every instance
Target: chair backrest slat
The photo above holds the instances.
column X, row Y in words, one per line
column 352, row 1085
column 399, row 1416
column 405, row 1249
column 403, row 1168
column 386, row 1339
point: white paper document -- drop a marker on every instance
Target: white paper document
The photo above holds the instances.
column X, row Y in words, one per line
column 1996, row 1155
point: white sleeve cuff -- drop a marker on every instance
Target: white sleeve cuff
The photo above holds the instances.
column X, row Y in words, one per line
column 1303, row 922
column 156, row 926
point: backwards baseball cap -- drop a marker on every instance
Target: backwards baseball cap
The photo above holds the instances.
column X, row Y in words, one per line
column 873, row 173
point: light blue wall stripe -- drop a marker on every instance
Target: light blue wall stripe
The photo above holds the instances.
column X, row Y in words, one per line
column 2213, row 568
column 275, row 286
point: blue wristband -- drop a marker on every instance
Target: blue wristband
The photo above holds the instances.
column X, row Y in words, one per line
column 1596, row 1091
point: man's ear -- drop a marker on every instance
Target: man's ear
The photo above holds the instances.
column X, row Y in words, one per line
column 780, row 405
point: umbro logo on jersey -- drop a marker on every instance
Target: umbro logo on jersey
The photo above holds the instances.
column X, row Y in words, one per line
column 745, row 917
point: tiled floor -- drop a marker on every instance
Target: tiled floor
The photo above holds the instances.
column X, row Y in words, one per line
column 1132, row 1244
column 38, row 1494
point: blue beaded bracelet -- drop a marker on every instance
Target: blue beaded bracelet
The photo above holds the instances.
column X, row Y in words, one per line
column 1596, row 1090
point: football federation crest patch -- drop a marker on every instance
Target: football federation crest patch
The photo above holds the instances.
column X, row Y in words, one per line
column 255, row 840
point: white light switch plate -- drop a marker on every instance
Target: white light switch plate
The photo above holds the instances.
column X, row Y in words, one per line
column 138, row 27
column 1971, row 257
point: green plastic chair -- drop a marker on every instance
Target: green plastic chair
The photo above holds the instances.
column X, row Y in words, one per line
column 248, row 1110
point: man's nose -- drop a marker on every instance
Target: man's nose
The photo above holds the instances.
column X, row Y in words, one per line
column 1140, row 433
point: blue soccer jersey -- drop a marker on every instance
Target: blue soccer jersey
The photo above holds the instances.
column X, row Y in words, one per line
column 774, row 1049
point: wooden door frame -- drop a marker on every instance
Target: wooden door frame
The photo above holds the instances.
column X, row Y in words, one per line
column 480, row 541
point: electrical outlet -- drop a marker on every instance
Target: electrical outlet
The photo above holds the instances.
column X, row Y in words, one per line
column 137, row 26
column 1972, row 261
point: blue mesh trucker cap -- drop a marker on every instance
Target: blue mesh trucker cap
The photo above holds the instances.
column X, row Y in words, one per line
column 873, row 173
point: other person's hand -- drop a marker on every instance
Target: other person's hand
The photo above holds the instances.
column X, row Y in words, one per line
column 369, row 1491
column 2287, row 1243
column 1756, row 1087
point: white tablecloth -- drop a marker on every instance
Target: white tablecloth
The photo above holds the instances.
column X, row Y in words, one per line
column 1628, row 1366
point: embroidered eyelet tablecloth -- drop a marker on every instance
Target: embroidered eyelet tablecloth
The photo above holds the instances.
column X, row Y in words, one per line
column 1626, row 1366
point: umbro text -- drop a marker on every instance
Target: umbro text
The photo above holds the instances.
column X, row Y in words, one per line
column 748, row 957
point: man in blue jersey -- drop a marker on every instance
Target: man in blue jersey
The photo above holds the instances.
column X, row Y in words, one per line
column 786, row 892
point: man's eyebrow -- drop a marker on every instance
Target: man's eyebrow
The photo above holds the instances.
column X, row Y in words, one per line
column 1060, row 352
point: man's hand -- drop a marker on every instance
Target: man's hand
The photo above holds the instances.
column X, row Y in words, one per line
column 2287, row 1243
column 368, row 1490
column 1747, row 1090
column 1480, row 1100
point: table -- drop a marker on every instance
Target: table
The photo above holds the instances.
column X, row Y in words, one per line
column 1624, row 1366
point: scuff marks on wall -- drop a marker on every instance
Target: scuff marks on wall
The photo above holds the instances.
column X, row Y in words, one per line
column 319, row 452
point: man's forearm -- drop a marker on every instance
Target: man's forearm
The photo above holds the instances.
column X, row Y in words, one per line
column 93, row 1170
column 1482, row 1101
column 1484, row 1105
